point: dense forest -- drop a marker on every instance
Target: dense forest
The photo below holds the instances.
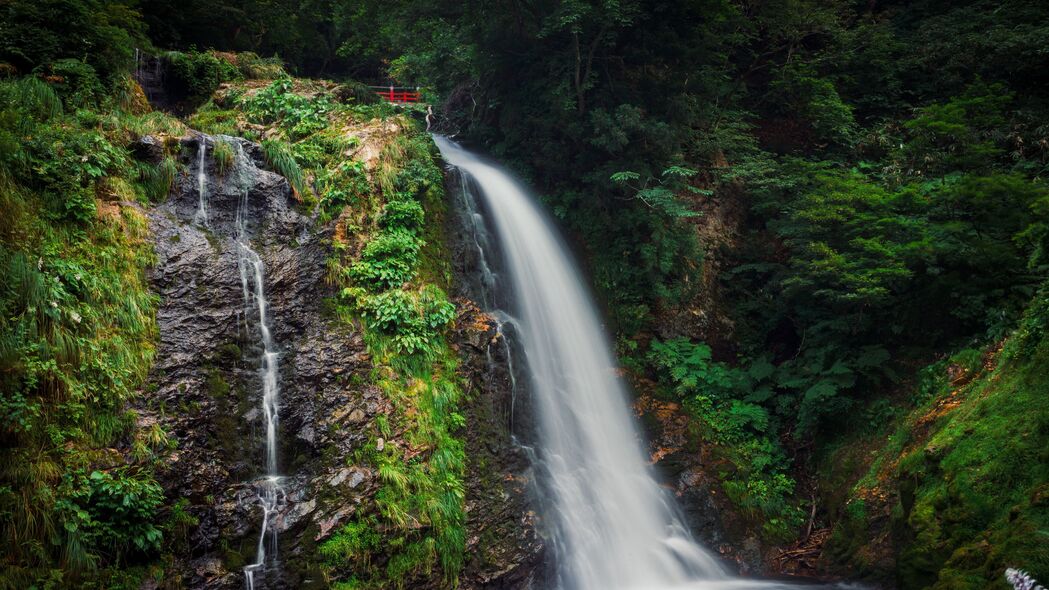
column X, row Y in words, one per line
column 818, row 230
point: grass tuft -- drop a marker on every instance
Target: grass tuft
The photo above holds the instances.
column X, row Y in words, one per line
column 283, row 162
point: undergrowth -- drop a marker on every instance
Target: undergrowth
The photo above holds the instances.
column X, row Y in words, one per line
column 420, row 504
column 79, row 506
column 963, row 474
column 724, row 403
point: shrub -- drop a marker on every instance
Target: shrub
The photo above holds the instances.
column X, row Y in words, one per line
column 388, row 260
column 403, row 214
column 298, row 115
column 412, row 320
column 66, row 163
column 197, row 74
column 111, row 513
column 75, row 81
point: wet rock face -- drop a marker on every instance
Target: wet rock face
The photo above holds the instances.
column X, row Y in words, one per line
column 504, row 545
column 504, row 548
column 206, row 390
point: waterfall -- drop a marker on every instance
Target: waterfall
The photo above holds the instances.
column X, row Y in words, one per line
column 202, row 183
column 611, row 525
column 252, row 281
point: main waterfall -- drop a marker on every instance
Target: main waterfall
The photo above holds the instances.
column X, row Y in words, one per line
column 611, row 525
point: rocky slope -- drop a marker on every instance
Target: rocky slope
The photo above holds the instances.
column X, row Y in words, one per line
column 207, row 380
column 205, row 391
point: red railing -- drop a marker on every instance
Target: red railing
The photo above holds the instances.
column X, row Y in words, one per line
column 394, row 94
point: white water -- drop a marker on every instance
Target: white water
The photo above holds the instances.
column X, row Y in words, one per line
column 202, row 184
column 612, row 527
column 252, row 281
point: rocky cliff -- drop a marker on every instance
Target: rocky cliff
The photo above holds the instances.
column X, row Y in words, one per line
column 205, row 391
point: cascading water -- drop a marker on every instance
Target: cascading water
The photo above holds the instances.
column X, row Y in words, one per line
column 252, row 279
column 268, row 487
column 611, row 525
column 202, row 183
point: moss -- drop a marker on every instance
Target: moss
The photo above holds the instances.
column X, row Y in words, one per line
column 964, row 476
column 216, row 384
column 228, row 353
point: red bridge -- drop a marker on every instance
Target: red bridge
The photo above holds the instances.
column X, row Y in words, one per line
column 398, row 94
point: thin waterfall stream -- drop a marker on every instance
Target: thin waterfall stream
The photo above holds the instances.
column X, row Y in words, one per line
column 202, row 184
column 253, row 283
column 268, row 488
column 611, row 526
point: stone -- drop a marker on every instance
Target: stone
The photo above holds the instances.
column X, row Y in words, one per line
column 148, row 149
column 356, row 478
column 339, row 477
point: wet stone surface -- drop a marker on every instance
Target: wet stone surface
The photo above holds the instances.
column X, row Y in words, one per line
column 205, row 387
column 205, row 390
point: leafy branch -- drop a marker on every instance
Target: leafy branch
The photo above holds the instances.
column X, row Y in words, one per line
column 661, row 193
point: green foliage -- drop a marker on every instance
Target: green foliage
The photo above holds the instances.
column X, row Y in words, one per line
column 346, row 184
column 223, row 155
column 418, row 520
column 801, row 92
column 75, row 81
column 661, row 194
column 421, row 501
column 215, row 121
column 112, row 511
column 895, row 208
column 298, row 115
column 690, row 367
column 412, row 320
column 958, row 134
column 76, row 341
column 52, row 35
column 388, row 260
column 158, row 180
column 356, row 541
column 867, row 264
column 970, row 477
column 280, row 158
column 407, row 214
column 725, row 402
column 197, row 74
